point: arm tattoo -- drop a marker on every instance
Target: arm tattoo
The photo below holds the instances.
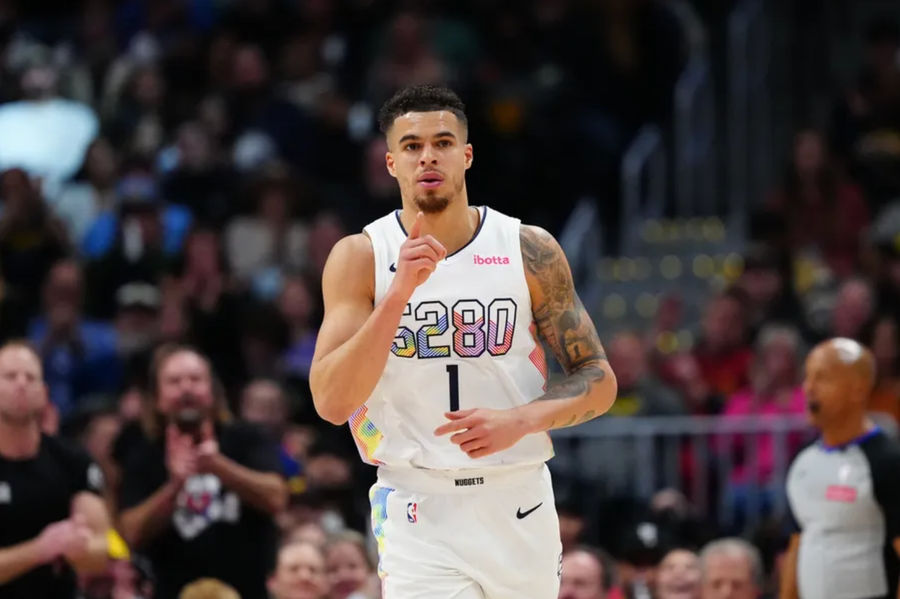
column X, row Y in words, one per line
column 561, row 319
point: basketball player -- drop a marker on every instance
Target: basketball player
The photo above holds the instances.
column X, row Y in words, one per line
column 844, row 491
column 430, row 348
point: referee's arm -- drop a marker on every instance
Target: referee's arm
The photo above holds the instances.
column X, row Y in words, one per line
column 788, row 588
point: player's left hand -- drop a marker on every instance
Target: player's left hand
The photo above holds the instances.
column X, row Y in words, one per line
column 483, row 431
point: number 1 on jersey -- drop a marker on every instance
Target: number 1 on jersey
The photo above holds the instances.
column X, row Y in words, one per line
column 453, row 371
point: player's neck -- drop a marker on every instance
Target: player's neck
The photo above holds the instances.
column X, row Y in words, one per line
column 19, row 441
column 454, row 227
column 846, row 430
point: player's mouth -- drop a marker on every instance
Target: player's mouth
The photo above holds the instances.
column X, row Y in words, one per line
column 430, row 180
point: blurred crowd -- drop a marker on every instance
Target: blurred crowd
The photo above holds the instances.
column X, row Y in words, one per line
column 178, row 170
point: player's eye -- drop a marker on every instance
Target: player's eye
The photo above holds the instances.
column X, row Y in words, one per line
column 412, row 147
column 444, row 143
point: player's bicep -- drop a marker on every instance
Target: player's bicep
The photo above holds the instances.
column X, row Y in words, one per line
column 348, row 283
column 562, row 320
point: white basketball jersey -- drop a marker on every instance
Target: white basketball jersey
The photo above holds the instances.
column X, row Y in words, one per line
column 466, row 340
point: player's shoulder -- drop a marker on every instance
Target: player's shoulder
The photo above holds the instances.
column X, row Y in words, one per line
column 352, row 254
column 540, row 249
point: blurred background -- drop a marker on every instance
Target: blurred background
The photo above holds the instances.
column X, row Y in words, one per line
column 723, row 175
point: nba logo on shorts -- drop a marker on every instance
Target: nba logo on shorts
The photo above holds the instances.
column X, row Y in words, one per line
column 411, row 509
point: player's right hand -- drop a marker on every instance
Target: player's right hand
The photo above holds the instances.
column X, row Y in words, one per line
column 419, row 256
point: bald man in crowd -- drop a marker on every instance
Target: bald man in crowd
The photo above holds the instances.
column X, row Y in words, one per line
column 844, row 491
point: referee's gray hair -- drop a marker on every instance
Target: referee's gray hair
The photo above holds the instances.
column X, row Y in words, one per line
column 736, row 547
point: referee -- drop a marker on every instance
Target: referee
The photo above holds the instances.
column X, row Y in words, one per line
column 52, row 520
column 844, row 491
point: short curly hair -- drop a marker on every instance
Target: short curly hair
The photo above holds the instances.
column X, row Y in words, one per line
column 420, row 98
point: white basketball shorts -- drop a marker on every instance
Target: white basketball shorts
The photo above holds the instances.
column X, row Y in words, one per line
column 473, row 534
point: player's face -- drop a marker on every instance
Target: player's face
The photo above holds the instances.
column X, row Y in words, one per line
column 184, row 377
column 582, row 577
column 23, row 396
column 300, row 573
column 347, row 570
column 827, row 387
column 428, row 155
column 728, row 577
column 679, row 576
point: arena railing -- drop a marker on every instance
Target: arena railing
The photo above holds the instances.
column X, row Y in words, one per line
column 643, row 185
column 749, row 109
column 714, row 460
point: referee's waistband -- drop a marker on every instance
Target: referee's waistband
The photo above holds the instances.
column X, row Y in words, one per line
column 423, row 480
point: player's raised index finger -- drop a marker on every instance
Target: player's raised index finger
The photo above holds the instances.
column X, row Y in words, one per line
column 417, row 226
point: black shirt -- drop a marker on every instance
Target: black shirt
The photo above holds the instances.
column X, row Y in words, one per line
column 212, row 531
column 34, row 493
column 846, row 502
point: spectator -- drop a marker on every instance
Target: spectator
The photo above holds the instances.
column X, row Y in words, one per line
column 723, row 354
column 679, row 576
column 640, row 394
column 42, row 133
column 297, row 308
column 774, row 392
column 571, row 523
column 867, row 122
column 213, row 308
column 407, row 58
column 821, row 212
column 125, row 578
column 78, row 355
column 198, row 180
column 768, row 282
column 308, row 532
column 730, row 569
column 31, row 241
column 208, row 588
column 265, row 403
column 136, row 242
column 272, row 237
column 54, row 523
column 349, row 568
column 299, row 573
column 198, row 492
column 883, row 337
column 137, row 323
column 585, row 574
column 91, row 193
column 853, row 308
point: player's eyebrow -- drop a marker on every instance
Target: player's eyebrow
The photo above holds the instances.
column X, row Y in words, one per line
column 413, row 136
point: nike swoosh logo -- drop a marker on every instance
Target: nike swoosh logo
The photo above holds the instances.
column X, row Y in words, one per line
column 393, row 267
column 520, row 514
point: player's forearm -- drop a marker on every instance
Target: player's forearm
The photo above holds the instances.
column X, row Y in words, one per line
column 265, row 491
column 788, row 587
column 582, row 395
column 344, row 379
column 18, row 560
column 144, row 521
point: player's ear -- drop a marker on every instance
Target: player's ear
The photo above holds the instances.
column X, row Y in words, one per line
column 469, row 155
column 389, row 162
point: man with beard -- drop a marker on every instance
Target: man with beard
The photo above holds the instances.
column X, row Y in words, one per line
column 199, row 493
column 52, row 521
column 431, row 348
column 844, row 491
